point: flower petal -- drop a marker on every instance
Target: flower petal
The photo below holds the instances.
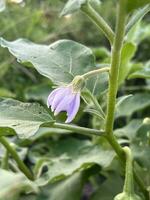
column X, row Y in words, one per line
column 51, row 97
column 59, row 97
column 73, row 108
column 64, row 104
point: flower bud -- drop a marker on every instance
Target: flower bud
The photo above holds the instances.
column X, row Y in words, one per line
column 126, row 196
column 78, row 83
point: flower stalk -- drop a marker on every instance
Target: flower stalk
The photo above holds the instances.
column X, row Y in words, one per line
column 79, row 129
column 95, row 72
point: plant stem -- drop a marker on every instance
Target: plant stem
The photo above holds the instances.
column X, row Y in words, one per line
column 95, row 72
column 78, row 129
column 113, row 87
column 14, row 154
column 99, row 21
column 4, row 164
column 115, row 64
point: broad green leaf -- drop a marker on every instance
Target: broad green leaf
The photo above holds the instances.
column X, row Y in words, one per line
column 66, row 156
column 140, row 71
column 111, row 186
column 38, row 92
column 2, row 5
column 131, row 5
column 68, row 189
column 60, row 61
column 24, row 118
column 11, row 184
column 135, row 103
column 127, row 53
column 137, row 132
column 72, row 6
column 45, row 132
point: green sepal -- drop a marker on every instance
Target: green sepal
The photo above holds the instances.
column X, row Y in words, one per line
column 126, row 196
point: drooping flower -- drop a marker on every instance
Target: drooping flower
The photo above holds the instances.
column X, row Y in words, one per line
column 66, row 99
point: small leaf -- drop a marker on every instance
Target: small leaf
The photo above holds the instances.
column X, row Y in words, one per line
column 129, row 130
column 120, row 100
column 59, row 62
column 75, row 5
column 24, row 118
column 127, row 53
column 72, row 6
column 131, row 5
column 136, row 102
column 140, row 71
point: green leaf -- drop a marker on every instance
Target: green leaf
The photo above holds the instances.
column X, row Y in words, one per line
column 127, row 53
column 131, row 5
column 6, row 93
column 12, row 184
column 137, row 17
column 107, row 191
column 130, row 130
column 24, row 118
column 66, row 156
column 68, row 189
column 140, row 71
column 38, row 92
column 140, row 146
column 120, row 100
column 130, row 105
column 137, row 132
column 72, row 6
column 60, row 61
column 2, row 5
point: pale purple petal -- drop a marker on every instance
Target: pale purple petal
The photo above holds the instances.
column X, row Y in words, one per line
column 73, row 109
column 64, row 104
column 64, row 99
column 61, row 93
column 52, row 96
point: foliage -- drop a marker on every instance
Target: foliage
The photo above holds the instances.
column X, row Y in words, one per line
column 71, row 162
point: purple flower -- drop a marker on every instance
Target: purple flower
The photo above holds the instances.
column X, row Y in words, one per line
column 64, row 99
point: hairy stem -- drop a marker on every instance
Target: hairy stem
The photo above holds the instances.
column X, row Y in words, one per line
column 113, row 87
column 115, row 64
column 99, row 21
column 16, row 157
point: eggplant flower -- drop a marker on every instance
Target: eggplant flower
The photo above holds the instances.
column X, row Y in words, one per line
column 66, row 98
